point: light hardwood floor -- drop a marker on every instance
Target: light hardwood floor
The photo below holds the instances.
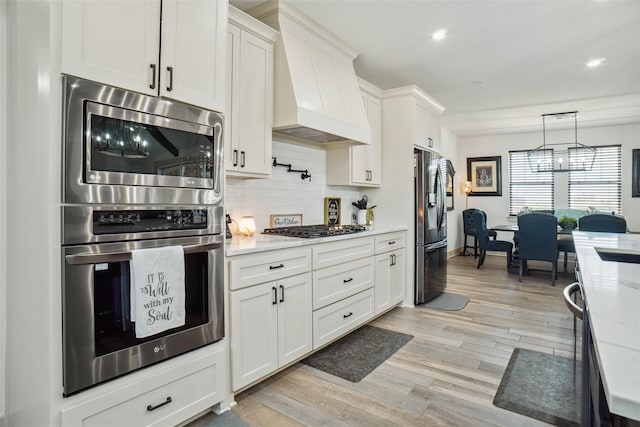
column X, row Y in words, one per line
column 446, row 376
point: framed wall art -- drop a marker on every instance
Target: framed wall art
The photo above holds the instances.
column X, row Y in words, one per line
column 635, row 188
column 485, row 174
column 332, row 210
column 285, row 220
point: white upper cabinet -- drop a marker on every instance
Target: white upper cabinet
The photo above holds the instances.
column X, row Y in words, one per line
column 416, row 114
column 120, row 43
column 249, row 98
column 360, row 165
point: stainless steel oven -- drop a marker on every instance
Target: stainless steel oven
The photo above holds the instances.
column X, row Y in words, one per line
column 99, row 341
column 121, row 147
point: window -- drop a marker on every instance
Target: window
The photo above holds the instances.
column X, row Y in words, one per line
column 527, row 188
column 600, row 187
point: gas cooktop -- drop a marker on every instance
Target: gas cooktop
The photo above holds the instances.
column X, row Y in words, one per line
column 308, row 231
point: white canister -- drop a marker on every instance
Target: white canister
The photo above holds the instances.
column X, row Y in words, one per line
column 362, row 217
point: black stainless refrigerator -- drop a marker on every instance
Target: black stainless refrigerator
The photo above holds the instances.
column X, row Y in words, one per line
column 430, row 177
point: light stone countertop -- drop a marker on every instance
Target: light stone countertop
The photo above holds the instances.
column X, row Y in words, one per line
column 612, row 294
column 240, row 245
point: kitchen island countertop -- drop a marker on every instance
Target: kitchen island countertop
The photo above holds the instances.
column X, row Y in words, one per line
column 612, row 295
column 240, row 245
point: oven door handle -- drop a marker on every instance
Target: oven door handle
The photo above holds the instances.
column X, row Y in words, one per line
column 88, row 258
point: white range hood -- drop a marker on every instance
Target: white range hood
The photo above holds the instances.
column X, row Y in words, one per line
column 316, row 93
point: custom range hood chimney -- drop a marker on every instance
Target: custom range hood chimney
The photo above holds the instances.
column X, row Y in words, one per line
column 316, row 93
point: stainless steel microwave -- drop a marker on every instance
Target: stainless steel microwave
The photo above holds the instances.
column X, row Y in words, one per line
column 122, row 147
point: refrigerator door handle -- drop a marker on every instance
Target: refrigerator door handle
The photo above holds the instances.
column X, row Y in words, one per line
column 436, row 245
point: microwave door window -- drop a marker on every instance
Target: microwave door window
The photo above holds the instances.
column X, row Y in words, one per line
column 124, row 146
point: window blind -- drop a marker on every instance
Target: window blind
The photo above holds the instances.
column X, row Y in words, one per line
column 527, row 188
column 600, row 187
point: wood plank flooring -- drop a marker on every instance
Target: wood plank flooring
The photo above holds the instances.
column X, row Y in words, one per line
column 446, row 376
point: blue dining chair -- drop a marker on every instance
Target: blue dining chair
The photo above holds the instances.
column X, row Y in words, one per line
column 469, row 226
column 485, row 244
column 603, row 222
column 538, row 240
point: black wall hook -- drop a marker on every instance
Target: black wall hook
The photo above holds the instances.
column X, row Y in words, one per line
column 304, row 174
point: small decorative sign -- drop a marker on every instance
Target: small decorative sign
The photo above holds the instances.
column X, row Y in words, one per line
column 285, row 220
column 332, row 210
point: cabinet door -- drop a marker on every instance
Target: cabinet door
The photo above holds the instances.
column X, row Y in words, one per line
column 434, row 130
column 255, row 99
column 374, row 150
column 254, row 333
column 233, row 88
column 360, row 155
column 397, row 277
column 295, row 327
column 112, row 42
column 194, row 40
column 382, row 282
column 421, row 126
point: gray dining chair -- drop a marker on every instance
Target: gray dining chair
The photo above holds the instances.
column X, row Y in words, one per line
column 469, row 226
column 603, row 222
column 537, row 240
column 485, row 244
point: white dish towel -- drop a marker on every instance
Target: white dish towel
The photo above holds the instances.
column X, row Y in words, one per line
column 157, row 289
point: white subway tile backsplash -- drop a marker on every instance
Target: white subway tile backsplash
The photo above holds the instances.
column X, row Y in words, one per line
column 287, row 193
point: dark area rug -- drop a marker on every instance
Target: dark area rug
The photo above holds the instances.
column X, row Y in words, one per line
column 447, row 301
column 353, row 356
column 541, row 386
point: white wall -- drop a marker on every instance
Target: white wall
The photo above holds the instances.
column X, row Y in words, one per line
column 3, row 198
column 497, row 208
column 286, row 193
column 454, row 217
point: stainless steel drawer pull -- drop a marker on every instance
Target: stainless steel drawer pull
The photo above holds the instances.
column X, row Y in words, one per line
column 275, row 267
column 350, row 279
column 347, row 315
column 154, row 407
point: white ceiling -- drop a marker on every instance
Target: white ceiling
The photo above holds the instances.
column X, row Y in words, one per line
column 503, row 63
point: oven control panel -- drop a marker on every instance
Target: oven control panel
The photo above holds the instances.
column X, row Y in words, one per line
column 141, row 221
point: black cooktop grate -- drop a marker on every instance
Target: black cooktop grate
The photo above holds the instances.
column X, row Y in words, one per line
column 308, row 231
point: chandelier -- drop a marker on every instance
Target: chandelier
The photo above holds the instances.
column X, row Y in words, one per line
column 560, row 151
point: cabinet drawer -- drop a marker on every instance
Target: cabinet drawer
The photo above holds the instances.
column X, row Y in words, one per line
column 185, row 396
column 330, row 254
column 336, row 319
column 391, row 241
column 335, row 283
column 248, row 270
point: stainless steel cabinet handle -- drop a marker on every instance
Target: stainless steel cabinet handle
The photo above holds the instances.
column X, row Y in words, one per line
column 159, row 405
column 153, row 76
column 275, row 267
column 281, row 293
column 242, row 159
column 344, row 316
column 350, row 279
column 170, row 87
column 567, row 293
column 235, row 157
column 88, row 258
column 430, row 143
column 274, row 301
column 392, row 257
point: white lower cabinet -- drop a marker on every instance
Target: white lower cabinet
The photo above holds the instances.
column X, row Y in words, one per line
column 191, row 384
column 338, row 318
column 390, row 270
column 270, row 327
column 390, row 279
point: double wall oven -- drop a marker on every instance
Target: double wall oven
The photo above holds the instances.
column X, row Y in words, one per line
column 139, row 173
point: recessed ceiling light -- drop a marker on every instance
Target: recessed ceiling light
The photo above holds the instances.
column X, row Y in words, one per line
column 595, row 62
column 439, row 34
